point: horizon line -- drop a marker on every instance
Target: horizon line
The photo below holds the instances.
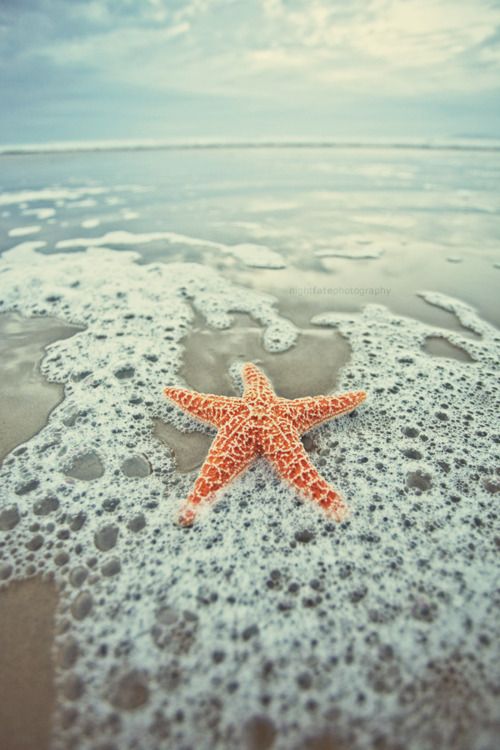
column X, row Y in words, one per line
column 464, row 143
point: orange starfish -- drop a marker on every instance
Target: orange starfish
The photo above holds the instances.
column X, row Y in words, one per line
column 261, row 424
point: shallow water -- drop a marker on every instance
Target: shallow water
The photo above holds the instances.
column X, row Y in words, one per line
column 27, row 398
column 433, row 216
column 264, row 625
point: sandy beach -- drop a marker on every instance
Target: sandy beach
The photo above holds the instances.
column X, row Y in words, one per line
column 265, row 625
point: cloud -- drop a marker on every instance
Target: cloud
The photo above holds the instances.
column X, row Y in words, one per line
column 271, row 53
column 424, row 43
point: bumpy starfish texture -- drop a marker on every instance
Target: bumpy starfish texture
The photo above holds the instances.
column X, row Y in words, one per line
column 261, row 424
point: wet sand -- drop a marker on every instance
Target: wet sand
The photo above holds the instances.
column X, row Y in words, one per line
column 27, row 398
column 209, row 353
column 27, row 691
column 27, row 609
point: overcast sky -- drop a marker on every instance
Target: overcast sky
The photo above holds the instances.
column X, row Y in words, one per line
column 73, row 69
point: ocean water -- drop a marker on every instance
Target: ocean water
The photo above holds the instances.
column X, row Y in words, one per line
column 265, row 625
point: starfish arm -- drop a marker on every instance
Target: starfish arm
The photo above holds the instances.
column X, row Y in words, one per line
column 229, row 455
column 255, row 382
column 215, row 410
column 292, row 463
column 307, row 413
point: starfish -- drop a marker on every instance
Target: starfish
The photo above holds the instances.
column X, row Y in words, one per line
column 261, row 424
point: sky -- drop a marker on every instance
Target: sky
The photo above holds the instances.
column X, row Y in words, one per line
column 139, row 69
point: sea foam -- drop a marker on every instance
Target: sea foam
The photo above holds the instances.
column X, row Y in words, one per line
column 263, row 620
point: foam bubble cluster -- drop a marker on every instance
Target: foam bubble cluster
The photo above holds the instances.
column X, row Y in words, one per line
column 264, row 625
column 257, row 256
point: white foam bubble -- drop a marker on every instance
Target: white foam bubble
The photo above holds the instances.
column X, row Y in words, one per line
column 40, row 213
column 122, row 237
column 85, row 203
column 257, row 256
column 10, row 198
column 354, row 247
column 250, row 254
column 24, row 251
column 90, row 223
column 24, row 231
